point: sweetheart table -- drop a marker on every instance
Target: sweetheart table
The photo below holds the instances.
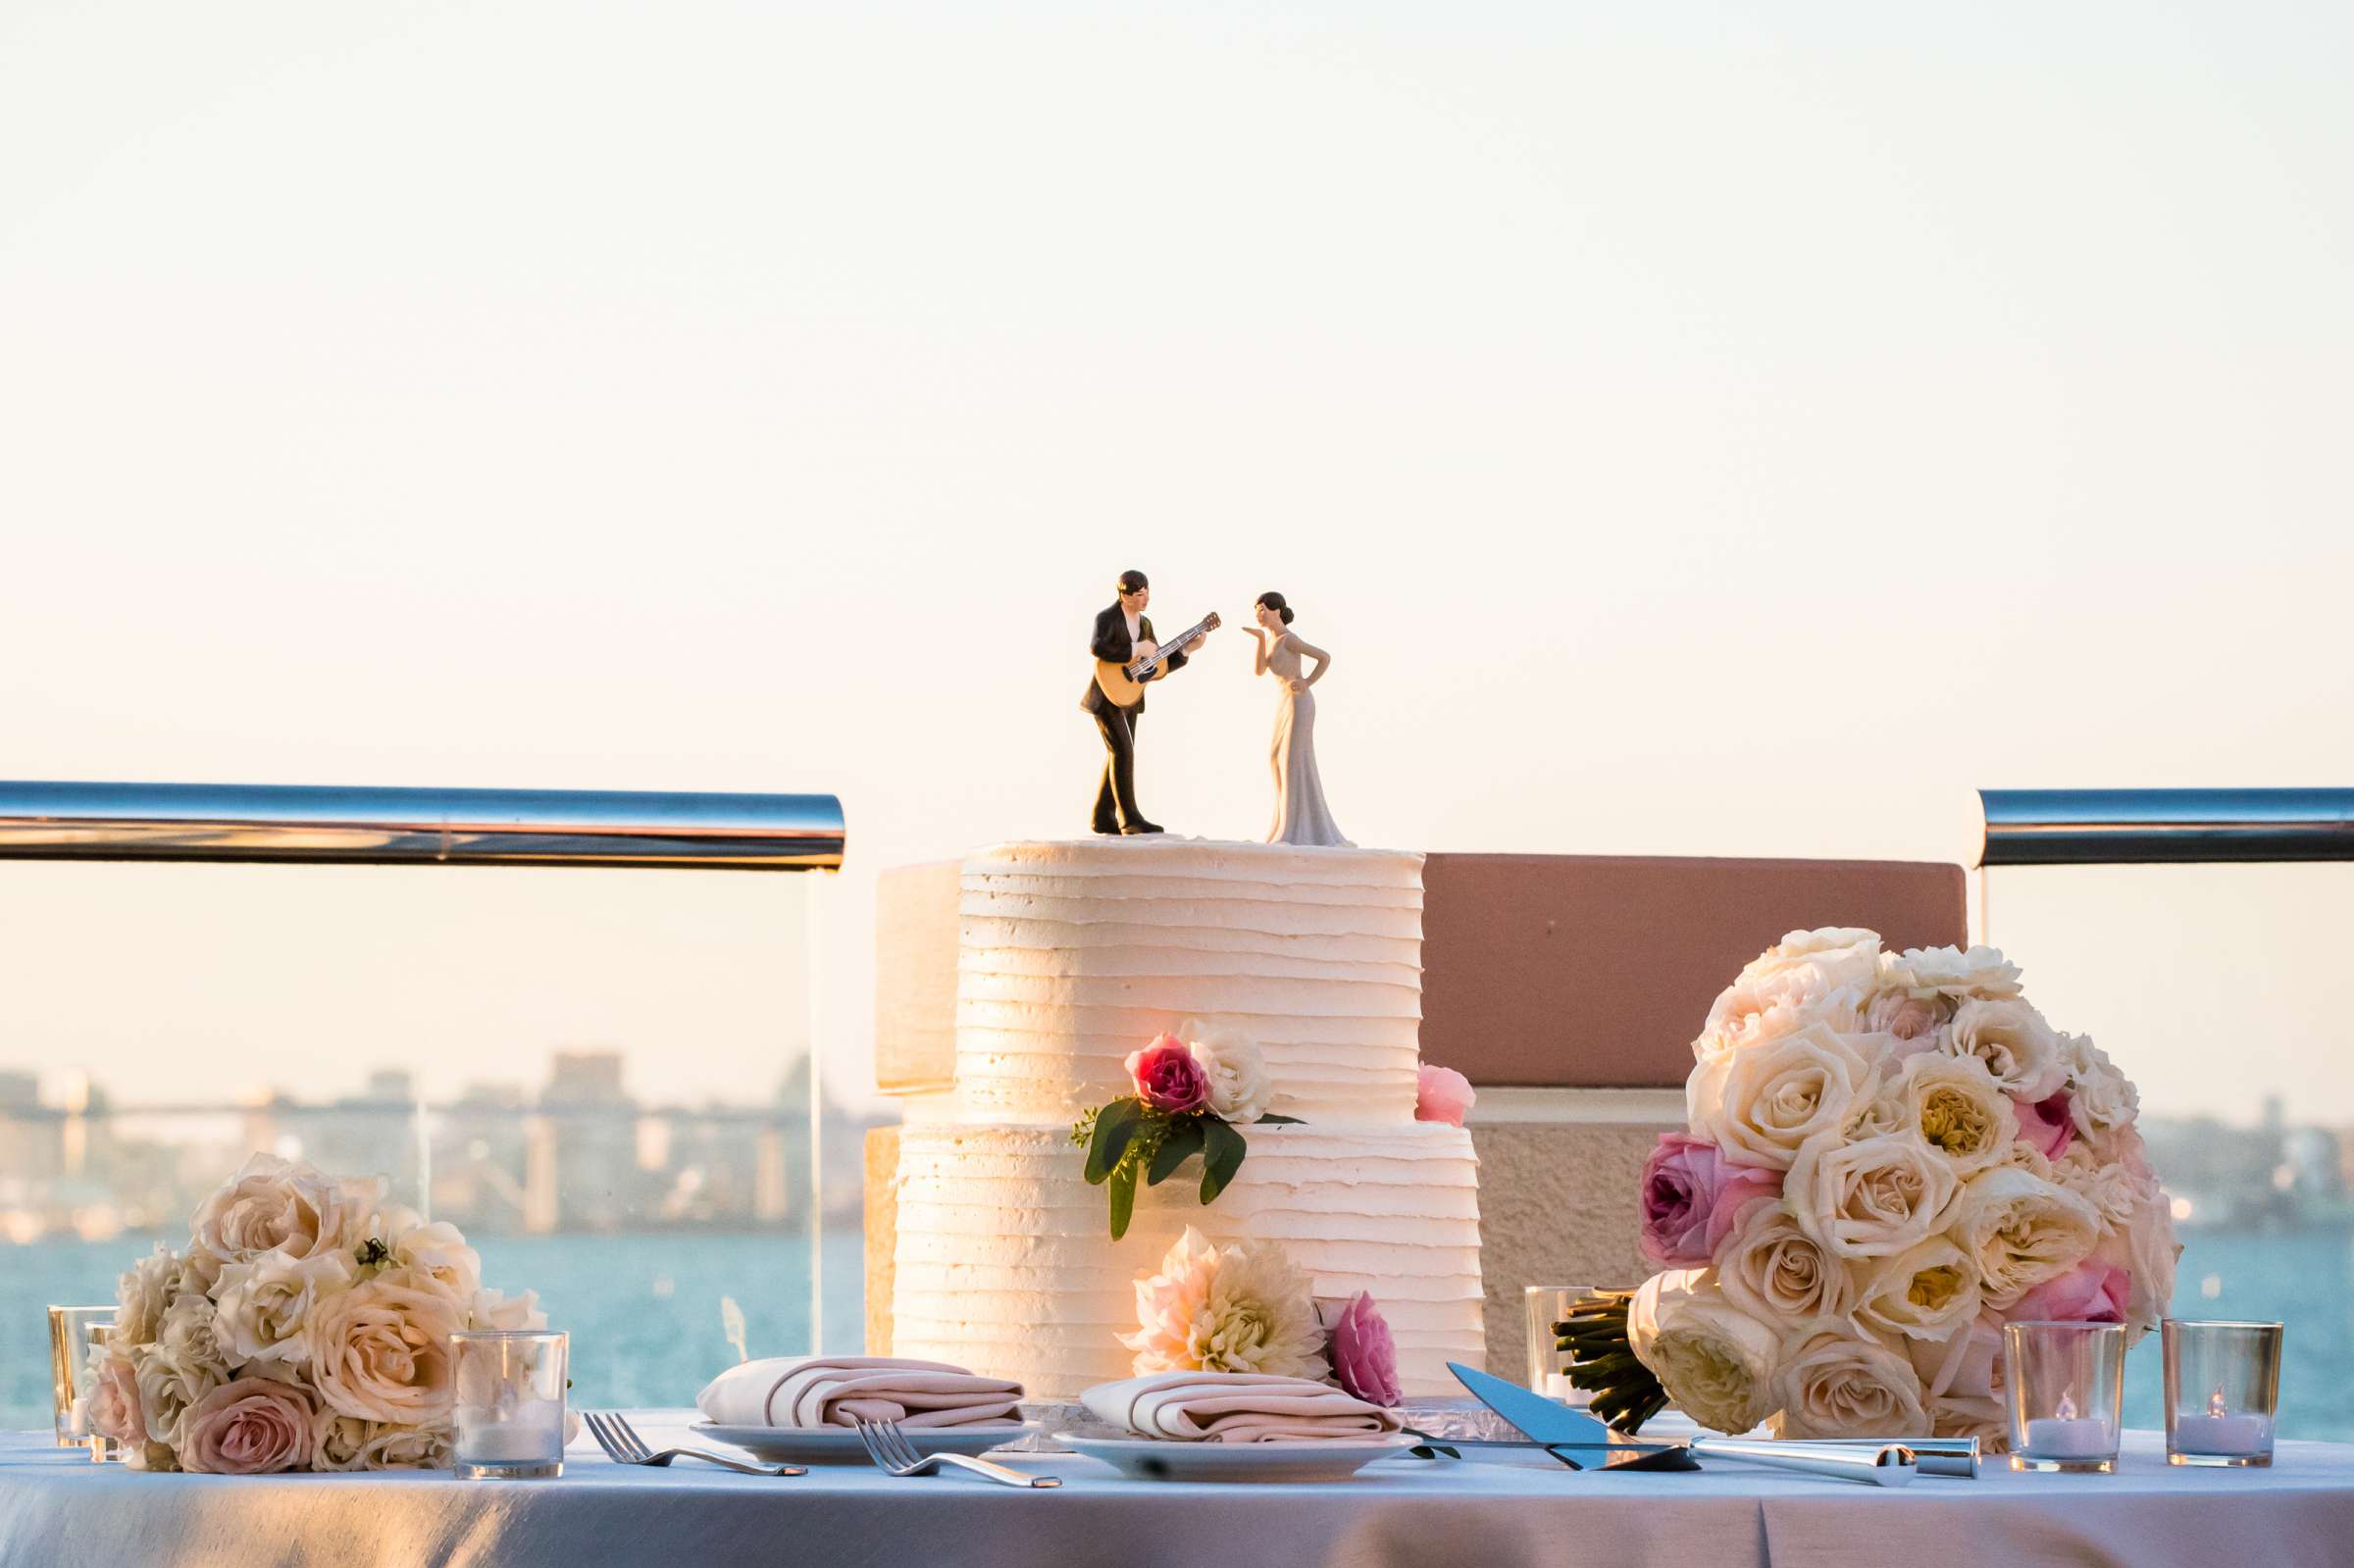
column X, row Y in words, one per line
column 58, row 1510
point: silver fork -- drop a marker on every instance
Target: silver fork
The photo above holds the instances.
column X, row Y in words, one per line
column 888, row 1446
column 621, row 1442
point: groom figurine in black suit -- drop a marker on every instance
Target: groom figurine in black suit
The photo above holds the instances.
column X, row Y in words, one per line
column 1119, row 630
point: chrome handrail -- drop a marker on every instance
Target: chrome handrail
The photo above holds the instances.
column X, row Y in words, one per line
column 2128, row 826
column 309, row 823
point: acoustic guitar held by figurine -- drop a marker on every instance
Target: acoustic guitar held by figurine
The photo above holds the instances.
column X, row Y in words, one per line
column 1123, row 684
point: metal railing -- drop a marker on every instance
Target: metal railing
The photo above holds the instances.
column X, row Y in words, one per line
column 2139, row 826
column 368, row 826
column 361, row 824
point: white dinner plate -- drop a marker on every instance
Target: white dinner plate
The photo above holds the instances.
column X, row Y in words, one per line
column 827, row 1445
column 1158, row 1459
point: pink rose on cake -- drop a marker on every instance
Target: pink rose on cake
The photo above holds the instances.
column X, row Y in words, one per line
column 1364, row 1355
column 1167, row 1078
column 1442, row 1094
column 1191, row 1094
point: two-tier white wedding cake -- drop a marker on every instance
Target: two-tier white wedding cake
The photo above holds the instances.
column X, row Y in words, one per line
column 1073, row 955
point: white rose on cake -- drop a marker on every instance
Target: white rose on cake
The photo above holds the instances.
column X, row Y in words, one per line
column 1239, row 1086
column 1713, row 1359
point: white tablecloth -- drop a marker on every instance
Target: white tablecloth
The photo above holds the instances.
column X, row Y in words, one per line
column 58, row 1510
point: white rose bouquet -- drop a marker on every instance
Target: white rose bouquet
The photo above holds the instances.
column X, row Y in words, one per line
column 1888, row 1157
column 306, row 1326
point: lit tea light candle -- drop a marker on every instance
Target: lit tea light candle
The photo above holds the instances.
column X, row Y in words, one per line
column 2065, row 1434
column 531, row 1431
column 2219, row 1431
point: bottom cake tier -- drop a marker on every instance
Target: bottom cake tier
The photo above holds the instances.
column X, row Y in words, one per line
column 1005, row 1263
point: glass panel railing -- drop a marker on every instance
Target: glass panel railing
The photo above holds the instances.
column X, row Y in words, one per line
column 2216, row 988
column 605, row 1081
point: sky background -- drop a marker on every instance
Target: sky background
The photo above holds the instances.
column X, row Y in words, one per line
column 1693, row 431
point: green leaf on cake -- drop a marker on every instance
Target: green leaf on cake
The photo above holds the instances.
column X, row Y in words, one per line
column 1185, row 1141
column 1123, row 1197
column 1115, row 1124
column 1273, row 1119
column 1221, row 1156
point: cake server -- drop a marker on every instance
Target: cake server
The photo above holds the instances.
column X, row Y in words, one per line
column 1552, row 1426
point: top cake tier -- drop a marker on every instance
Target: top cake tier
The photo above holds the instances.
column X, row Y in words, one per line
column 1072, row 955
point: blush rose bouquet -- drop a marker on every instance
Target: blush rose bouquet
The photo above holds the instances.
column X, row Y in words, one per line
column 305, row 1327
column 1191, row 1090
column 1887, row 1157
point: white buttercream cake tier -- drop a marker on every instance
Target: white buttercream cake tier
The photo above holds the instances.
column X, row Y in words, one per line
column 1005, row 1263
column 1075, row 954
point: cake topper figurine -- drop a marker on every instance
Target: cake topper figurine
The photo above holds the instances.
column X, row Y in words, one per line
column 1127, row 657
column 1301, row 815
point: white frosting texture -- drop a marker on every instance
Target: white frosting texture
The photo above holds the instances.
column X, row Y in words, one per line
column 1075, row 954
column 1005, row 1263
column 1072, row 955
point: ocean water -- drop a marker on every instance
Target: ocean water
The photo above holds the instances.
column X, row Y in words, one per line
column 644, row 1310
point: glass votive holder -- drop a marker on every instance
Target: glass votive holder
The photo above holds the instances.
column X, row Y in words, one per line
column 69, row 1368
column 2223, row 1389
column 2065, row 1387
column 1548, row 1363
column 509, row 1410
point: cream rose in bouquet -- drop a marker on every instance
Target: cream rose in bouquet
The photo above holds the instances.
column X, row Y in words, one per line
column 306, row 1326
column 1888, row 1156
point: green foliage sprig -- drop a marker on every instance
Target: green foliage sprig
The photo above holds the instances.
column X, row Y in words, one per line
column 1127, row 1139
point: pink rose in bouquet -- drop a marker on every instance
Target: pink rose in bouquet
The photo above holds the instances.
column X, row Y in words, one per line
column 1168, row 1078
column 114, row 1400
column 1692, row 1198
column 2046, row 1126
column 1442, row 1094
column 2093, row 1291
column 1365, row 1358
column 252, row 1426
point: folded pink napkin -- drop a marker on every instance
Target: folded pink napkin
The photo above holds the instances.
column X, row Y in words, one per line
column 1237, row 1407
column 835, row 1391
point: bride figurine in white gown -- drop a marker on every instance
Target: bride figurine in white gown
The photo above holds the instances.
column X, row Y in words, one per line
column 1301, row 815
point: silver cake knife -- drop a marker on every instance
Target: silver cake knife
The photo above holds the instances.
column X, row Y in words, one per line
column 1549, row 1425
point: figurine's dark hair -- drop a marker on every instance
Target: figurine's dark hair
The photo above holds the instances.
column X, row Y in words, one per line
column 1274, row 602
column 1130, row 582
